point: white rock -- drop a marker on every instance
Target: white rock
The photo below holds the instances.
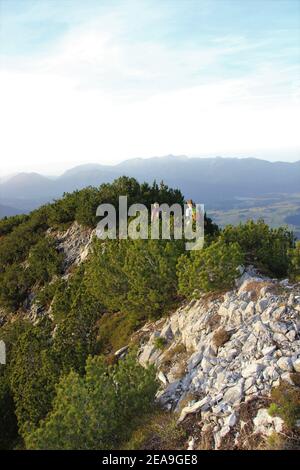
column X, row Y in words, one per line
column 250, row 345
column 249, row 382
column 285, row 363
column 261, row 305
column 224, row 431
column 279, row 312
column 259, row 327
column 268, row 350
column 280, row 338
column 278, row 327
column 230, row 420
column 202, row 404
column 147, row 352
column 233, row 394
column 121, row 351
column 166, row 332
column 218, row 439
column 286, row 376
column 161, row 376
column 252, row 390
column 296, row 365
column 206, row 365
column 252, row 369
column 291, row 335
column 174, row 325
column 194, row 360
column 250, row 310
column 291, row 300
column 266, row 424
column 2, row 352
column 191, row 444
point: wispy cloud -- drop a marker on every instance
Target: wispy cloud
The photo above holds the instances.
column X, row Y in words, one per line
column 122, row 83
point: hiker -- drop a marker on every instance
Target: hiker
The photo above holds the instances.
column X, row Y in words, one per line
column 189, row 211
column 155, row 212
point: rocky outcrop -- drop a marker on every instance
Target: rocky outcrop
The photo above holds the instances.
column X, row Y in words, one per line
column 74, row 243
column 221, row 352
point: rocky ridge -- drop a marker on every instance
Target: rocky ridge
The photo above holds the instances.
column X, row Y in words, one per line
column 217, row 355
column 74, row 243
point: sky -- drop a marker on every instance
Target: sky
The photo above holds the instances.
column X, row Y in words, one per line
column 107, row 80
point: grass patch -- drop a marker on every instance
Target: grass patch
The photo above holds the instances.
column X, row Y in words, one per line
column 286, row 403
column 157, row 432
column 160, row 343
column 114, row 332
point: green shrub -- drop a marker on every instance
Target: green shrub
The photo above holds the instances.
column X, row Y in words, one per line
column 267, row 248
column 97, row 411
column 294, row 268
column 160, row 343
column 212, row 268
column 8, row 421
column 7, row 224
column 75, row 335
column 15, row 284
column 44, row 261
column 137, row 277
column 33, row 373
column 158, row 431
column 286, row 403
column 150, row 268
column 114, row 331
column 46, row 294
column 106, row 279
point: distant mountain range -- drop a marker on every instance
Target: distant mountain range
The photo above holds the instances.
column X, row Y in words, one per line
column 219, row 183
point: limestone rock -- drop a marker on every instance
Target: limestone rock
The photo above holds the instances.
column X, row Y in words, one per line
column 252, row 369
column 296, row 365
column 202, row 404
column 266, row 424
column 262, row 350
column 285, row 363
column 234, row 394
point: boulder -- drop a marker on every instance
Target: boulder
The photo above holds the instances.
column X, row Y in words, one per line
column 268, row 350
column 266, row 424
column 296, row 364
column 166, row 332
column 161, row 376
column 261, row 305
column 252, row 369
column 148, row 352
column 233, row 394
column 194, row 408
column 285, row 363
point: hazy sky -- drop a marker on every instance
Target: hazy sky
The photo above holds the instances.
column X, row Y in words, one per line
column 105, row 80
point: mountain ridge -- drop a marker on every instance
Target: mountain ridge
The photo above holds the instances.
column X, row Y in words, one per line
column 222, row 184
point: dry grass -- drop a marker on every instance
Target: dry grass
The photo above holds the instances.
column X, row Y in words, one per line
column 180, row 370
column 214, row 321
column 286, row 403
column 255, row 288
column 283, row 442
column 186, row 400
column 247, row 412
column 178, row 351
column 158, row 432
column 295, row 377
column 207, row 441
column 221, row 337
column 211, row 296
